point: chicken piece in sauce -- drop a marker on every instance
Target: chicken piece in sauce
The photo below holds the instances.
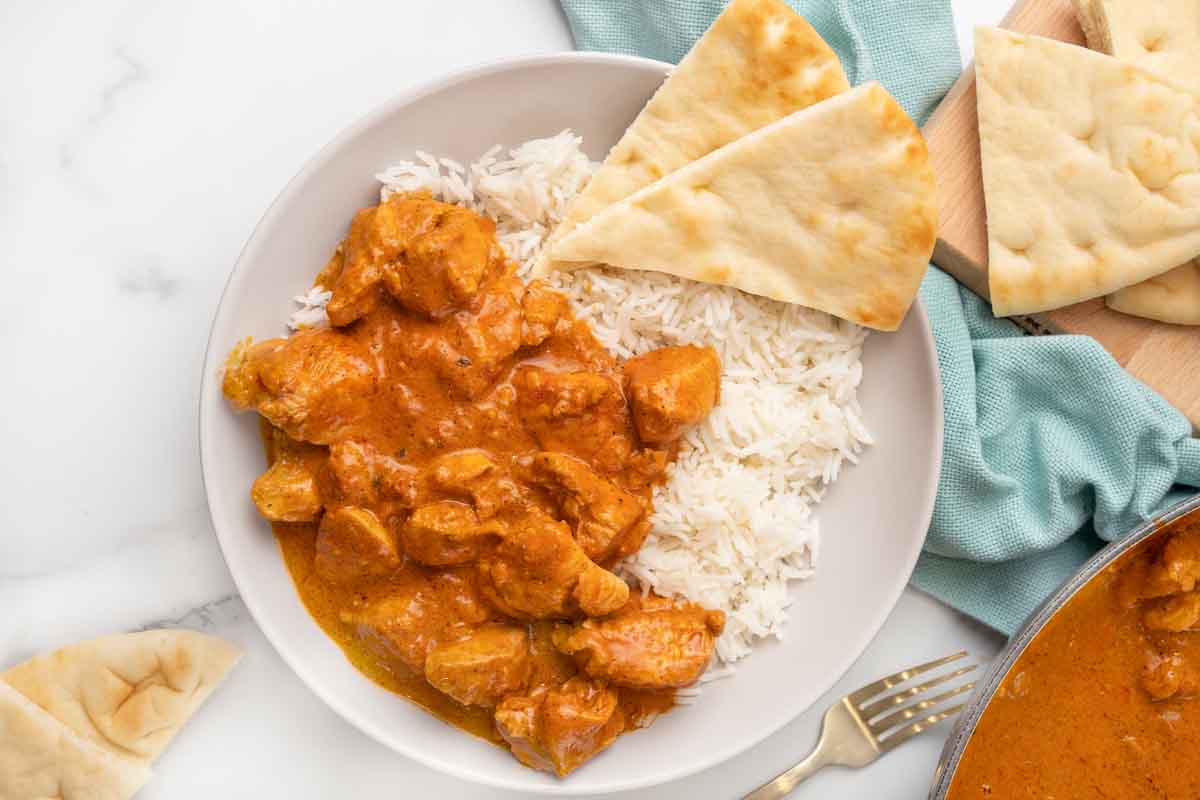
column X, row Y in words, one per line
column 543, row 309
column 473, row 475
column 580, row 413
column 651, row 643
column 352, row 545
column 287, row 492
column 610, row 523
column 484, row 668
column 538, row 571
column 1163, row 589
column 444, row 265
column 315, row 385
column 416, row 611
column 445, row 533
column 459, row 471
column 356, row 473
column 432, row 257
column 1180, row 612
column 471, row 348
column 1172, row 669
column 1176, row 570
column 671, row 390
column 558, row 730
column 1165, row 586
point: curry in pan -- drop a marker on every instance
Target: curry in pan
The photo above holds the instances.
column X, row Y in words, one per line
column 455, row 466
column 1105, row 702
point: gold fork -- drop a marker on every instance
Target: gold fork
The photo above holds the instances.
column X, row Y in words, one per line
column 857, row 729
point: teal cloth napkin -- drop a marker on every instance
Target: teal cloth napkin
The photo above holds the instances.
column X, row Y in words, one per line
column 1051, row 448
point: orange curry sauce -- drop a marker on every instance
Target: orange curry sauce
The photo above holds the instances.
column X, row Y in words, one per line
column 1105, row 702
column 455, row 464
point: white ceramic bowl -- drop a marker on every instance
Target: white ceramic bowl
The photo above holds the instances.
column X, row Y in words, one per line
column 873, row 520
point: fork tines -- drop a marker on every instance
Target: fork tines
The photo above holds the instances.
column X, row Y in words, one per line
column 888, row 730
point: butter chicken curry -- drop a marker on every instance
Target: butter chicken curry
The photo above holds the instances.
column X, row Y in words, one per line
column 1105, row 702
column 455, row 466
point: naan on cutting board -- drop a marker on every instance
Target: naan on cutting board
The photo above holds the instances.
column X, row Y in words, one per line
column 128, row 694
column 1091, row 174
column 1171, row 297
column 759, row 62
column 42, row 758
column 832, row 208
column 1162, row 36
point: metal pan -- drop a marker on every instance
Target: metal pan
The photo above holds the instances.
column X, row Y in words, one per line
column 956, row 744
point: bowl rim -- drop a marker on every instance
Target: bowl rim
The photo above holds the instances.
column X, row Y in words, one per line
column 964, row 729
column 210, row 382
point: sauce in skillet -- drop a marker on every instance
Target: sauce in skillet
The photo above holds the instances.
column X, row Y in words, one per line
column 1105, row 702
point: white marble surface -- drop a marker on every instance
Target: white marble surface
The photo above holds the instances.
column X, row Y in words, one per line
column 139, row 144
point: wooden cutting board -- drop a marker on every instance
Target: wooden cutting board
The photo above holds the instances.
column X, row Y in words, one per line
column 1166, row 357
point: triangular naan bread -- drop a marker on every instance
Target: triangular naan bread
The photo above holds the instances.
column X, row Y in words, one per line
column 1162, row 36
column 832, row 208
column 1171, row 297
column 1091, row 171
column 42, row 759
column 129, row 694
column 758, row 62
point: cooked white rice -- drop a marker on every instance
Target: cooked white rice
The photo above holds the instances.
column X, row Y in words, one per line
column 312, row 309
column 734, row 523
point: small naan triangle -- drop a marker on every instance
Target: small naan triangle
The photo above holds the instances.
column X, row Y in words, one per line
column 1171, row 297
column 131, row 693
column 1162, row 36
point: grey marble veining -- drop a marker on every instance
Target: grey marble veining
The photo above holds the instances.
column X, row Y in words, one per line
column 222, row 612
column 149, row 280
column 131, row 72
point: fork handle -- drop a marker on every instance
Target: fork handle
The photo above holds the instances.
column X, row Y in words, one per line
column 783, row 783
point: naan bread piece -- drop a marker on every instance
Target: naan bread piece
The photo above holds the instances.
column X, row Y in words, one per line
column 758, row 62
column 1162, row 36
column 128, row 694
column 1091, row 171
column 1171, row 297
column 42, row 759
column 832, row 208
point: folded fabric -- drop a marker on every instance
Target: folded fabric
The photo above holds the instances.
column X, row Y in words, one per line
column 1051, row 449
column 1042, row 433
column 907, row 45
